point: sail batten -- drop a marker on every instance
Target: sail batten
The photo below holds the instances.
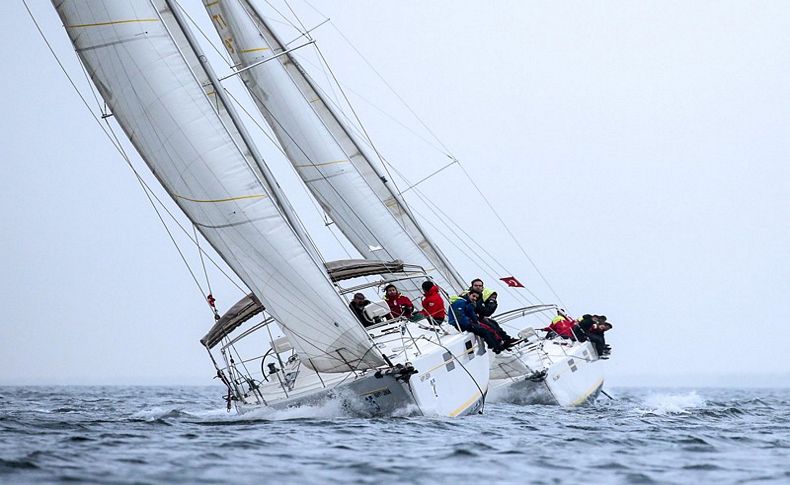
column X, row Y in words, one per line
column 325, row 154
column 158, row 91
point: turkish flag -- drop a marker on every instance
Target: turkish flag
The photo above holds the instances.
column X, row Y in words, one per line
column 512, row 281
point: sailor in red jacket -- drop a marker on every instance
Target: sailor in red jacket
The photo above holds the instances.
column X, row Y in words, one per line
column 562, row 325
column 432, row 303
column 399, row 305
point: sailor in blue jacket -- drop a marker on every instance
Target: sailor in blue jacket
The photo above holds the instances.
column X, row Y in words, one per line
column 462, row 310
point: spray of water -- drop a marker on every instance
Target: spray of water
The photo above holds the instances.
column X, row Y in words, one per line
column 663, row 403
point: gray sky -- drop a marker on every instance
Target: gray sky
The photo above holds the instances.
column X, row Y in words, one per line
column 637, row 149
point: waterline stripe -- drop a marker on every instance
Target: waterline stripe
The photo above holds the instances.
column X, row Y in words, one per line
column 466, row 405
column 589, row 393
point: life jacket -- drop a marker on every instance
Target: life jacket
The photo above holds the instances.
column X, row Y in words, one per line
column 563, row 326
column 487, row 292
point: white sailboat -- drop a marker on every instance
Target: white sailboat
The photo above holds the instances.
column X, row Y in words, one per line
column 148, row 67
column 544, row 370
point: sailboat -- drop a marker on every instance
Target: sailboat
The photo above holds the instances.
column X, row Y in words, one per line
column 149, row 68
column 543, row 370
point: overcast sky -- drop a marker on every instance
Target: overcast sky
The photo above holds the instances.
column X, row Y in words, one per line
column 638, row 150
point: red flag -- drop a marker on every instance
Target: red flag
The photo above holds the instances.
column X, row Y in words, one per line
column 512, row 281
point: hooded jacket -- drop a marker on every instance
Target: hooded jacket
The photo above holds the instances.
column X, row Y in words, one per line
column 432, row 304
column 463, row 311
column 399, row 306
column 487, row 306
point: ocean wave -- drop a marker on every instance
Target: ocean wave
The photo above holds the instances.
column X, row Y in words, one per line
column 158, row 435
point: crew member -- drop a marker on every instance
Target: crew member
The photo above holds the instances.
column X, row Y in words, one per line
column 462, row 312
column 562, row 325
column 432, row 303
column 357, row 305
column 400, row 305
column 487, row 306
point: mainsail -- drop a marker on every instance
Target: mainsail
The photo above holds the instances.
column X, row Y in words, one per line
column 138, row 54
column 350, row 189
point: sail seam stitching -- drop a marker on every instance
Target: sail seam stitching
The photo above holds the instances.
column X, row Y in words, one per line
column 114, row 22
column 228, row 199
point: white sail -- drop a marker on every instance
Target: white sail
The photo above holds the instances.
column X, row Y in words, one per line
column 140, row 59
column 359, row 200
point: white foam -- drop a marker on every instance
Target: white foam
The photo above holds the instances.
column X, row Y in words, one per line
column 662, row 403
column 154, row 413
column 332, row 408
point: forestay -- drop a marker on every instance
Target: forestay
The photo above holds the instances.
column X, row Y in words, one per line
column 348, row 186
column 140, row 60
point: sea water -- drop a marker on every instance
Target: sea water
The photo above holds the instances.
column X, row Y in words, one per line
column 184, row 434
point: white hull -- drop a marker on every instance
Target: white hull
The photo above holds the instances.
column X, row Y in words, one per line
column 548, row 372
column 451, row 378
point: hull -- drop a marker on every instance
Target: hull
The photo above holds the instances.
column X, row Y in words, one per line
column 364, row 395
column 552, row 372
column 450, row 377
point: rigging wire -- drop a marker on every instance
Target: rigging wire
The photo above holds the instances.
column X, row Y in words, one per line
column 451, row 225
column 383, row 80
column 448, row 153
column 431, row 207
column 202, row 262
column 512, row 236
column 286, row 20
column 333, row 97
